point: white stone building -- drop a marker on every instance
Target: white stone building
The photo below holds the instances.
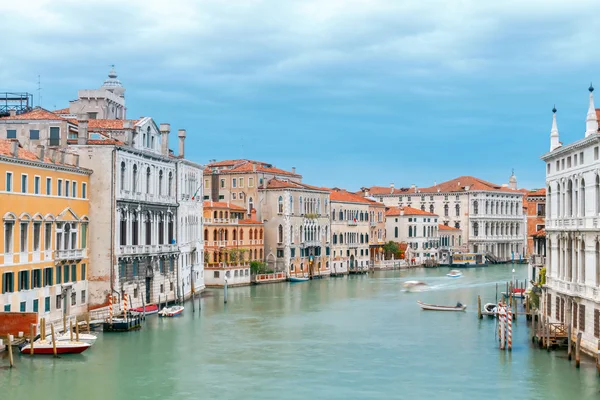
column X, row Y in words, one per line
column 417, row 228
column 297, row 227
column 190, row 222
column 572, row 231
column 349, row 232
column 490, row 216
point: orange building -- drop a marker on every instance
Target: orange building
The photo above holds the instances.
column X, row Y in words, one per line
column 44, row 206
column 535, row 208
column 231, row 242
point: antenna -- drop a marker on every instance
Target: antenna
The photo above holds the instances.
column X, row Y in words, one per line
column 39, row 90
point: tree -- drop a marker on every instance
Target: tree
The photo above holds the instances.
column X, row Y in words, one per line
column 391, row 248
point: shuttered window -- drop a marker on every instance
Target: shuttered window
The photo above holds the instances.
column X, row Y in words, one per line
column 562, row 310
column 558, row 308
column 582, row 317
column 597, row 323
column 549, row 304
column 574, row 315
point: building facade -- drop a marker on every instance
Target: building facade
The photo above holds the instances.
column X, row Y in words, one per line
column 535, row 211
column 450, row 242
column 417, row 228
column 572, row 229
column 45, row 209
column 231, row 243
column 297, row 227
column 377, row 234
column 350, row 229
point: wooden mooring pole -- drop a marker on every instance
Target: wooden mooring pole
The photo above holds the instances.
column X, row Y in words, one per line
column 598, row 358
column 64, row 323
column 569, row 342
column 533, row 323
column 225, row 292
column 578, row 350
column 479, row 315
column 496, row 292
column 31, row 338
column 514, row 307
column 11, row 361
column 71, row 330
column 547, row 322
column 53, row 339
column 76, row 330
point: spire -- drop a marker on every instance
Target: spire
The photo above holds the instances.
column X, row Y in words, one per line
column 591, row 122
column 512, row 181
column 554, row 142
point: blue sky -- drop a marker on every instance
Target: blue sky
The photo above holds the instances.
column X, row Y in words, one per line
column 350, row 92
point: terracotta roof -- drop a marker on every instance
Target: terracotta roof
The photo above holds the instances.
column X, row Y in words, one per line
column 249, row 222
column 396, row 211
column 447, row 228
column 538, row 192
column 38, row 114
column 280, row 184
column 240, row 166
column 222, row 204
column 459, row 185
column 5, row 150
column 347, row 197
column 62, row 111
column 382, row 191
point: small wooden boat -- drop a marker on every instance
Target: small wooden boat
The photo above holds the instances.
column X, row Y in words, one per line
column 454, row 274
column 490, row 309
column 174, row 311
column 150, row 309
column 62, row 347
column 433, row 307
column 294, row 279
column 415, row 286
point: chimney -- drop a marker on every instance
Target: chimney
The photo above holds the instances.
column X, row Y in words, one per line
column 165, row 129
column 253, row 214
column 41, row 152
column 293, row 170
column 253, row 167
column 75, row 159
column 127, row 124
column 181, row 136
column 82, row 123
column 12, row 113
column 14, row 148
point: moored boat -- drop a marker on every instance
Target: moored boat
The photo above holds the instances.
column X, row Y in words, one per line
column 517, row 293
column 150, row 309
column 468, row 260
column 66, row 337
column 434, row 307
column 490, row 309
column 454, row 274
column 294, row 279
column 173, row 311
column 62, row 347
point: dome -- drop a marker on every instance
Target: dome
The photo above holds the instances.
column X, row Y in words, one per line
column 113, row 84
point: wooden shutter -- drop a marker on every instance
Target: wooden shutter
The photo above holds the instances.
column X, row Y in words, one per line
column 582, row 317
column 562, row 310
column 574, row 315
column 597, row 323
column 558, row 301
column 549, row 304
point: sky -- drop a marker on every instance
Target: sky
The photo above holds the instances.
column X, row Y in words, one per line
column 350, row 92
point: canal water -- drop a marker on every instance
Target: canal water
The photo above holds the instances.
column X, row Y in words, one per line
column 359, row 337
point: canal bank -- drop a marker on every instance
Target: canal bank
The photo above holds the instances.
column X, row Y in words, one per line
column 357, row 337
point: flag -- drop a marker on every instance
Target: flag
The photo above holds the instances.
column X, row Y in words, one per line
column 194, row 196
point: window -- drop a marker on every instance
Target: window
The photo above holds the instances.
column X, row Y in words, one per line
column 37, row 278
column 581, row 158
column 84, row 236
column 36, row 235
column 74, row 189
column 47, row 236
column 170, row 186
column 82, row 296
column 83, row 272
column 48, row 186
column 58, row 274
column 59, row 187
column 11, row 134
column 23, row 280
column 54, row 136
column 582, row 317
column 595, row 153
column 241, row 182
column 48, row 276
column 23, row 183
column 23, row 306
column 250, row 182
column 8, row 283
column 47, row 304
column 24, row 229
column 8, row 236
column 58, row 302
column 222, row 183
column 280, row 234
column 233, row 196
column 279, row 253
column 73, row 273
column 234, row 182
column 280, row 205
column 34, row 134
column 206, row 184
column 73, row 298
column 66, row 275
column 134, row 182
column 84, row 190
column 8, row 182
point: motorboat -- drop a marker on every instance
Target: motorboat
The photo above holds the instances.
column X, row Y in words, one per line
column 294, row 279
column 62, row 347
column 149, row 309
column 173, row 311
column 433, row 307
column 490, row 309
column 454, row 274
column 415, row 286
column 83, row 337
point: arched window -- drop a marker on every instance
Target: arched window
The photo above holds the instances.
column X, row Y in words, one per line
column 135, row 179
column 431, row 208
column 280, row 205
column 569, row 204
column 558, row 202
column 160, row 183
column 422, row 207
column 291, row 204
column 334, row 239
column 261, row 236
column 446, row 213
column 206, row 234
column 234, row 235
column 396, row 231
column 251, row 236
column 476, row 229
column 250, row 205
column 255, row 233
column 215, row 235
column 341, row 215
column 582, row 194
column 123, row 175
column 170, row 186
column 280, row 234
column 475, row 207
column 341, row 239
column 241, row 234
column 458, row 210
column 148, row 180
column 487, row 207
column 300, row 209
column 410, row 231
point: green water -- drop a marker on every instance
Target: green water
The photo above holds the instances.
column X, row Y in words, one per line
column 359, row 337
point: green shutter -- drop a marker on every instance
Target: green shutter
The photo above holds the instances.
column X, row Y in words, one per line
column 83, row 272
column 35, row 305
column 66, row 279
column 58, row 274
column 73, row 273
column 47, row 304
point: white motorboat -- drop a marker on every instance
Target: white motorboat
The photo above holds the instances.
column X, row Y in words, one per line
column 433, row 307
column 454, row 274
column 62, row 347
column 415, row 286
column 171, row 311
column 490, row 309
column 66, row 337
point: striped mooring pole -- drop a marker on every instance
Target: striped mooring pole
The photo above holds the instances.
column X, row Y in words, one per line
column 509, row 329
column 125, row 303
column 110, row 307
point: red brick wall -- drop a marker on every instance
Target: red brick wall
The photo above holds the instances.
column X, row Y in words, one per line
column 14, row 322
column 533, row 220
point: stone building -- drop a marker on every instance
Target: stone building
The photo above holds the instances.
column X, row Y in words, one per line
column 572, row 231
column 417, row 228
column 490, row 215
column 377, row 235
column 231, row 242
column 535, row 211
column 297, row 227
column 44, row 204
column 451, row 242
column 350, row 230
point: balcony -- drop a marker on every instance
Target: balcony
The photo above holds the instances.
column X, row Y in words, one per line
column 221, row 221
column 352, row 222
column 310, row 243
column 537, row 260
column 373, row 223
column 353, row 245
column 148, row 249
column 69, row 254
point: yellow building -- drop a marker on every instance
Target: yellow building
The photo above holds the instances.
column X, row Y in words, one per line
column 44, row 207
